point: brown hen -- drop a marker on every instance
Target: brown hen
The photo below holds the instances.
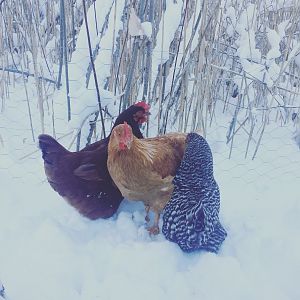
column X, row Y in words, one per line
column 82, row 178
column 144, row 169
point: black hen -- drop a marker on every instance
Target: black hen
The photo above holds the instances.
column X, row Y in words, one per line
column 191, row 216
column 82, row 177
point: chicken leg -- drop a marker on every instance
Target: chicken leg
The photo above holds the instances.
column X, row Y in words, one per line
column 154, row 229
column 147, row 209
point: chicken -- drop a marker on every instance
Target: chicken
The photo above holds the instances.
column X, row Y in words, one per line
column 144, row 169
column 191, row 216
column 82, row 177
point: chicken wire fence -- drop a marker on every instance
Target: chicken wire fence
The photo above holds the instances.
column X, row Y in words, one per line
column 278, row 161
column 229, row 69
column 20, row 157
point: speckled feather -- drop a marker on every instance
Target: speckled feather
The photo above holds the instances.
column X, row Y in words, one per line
column 191, row 216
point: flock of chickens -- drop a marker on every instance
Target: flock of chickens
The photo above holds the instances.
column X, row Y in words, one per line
column 172, row 174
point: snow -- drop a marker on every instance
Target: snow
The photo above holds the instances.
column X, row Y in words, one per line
column 80, row 60
column 136, row 27
column 167, row 28
column 274, row 40
column 48, row 251
column 246, row 42
column 297, row 60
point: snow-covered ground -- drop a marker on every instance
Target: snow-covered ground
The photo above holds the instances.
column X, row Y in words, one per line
column 48, row 251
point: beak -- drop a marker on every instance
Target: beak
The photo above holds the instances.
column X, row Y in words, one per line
column 122, row 146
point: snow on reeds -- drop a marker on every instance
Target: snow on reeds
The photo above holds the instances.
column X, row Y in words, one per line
column 192, row 60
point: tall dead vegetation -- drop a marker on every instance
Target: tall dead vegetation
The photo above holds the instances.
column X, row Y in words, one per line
column 235, row 57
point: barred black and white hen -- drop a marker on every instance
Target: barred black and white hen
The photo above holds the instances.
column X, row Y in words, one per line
column 191, row 216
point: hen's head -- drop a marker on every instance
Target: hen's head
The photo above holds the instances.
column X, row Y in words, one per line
column 142, row 113
column 135, row 115
column 123, row 136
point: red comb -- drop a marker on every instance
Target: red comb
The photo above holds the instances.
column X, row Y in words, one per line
column 144, row 105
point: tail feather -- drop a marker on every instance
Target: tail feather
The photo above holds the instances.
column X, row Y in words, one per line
column 49, row 146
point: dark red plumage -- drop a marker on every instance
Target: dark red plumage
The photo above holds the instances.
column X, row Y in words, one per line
column 82, row 177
